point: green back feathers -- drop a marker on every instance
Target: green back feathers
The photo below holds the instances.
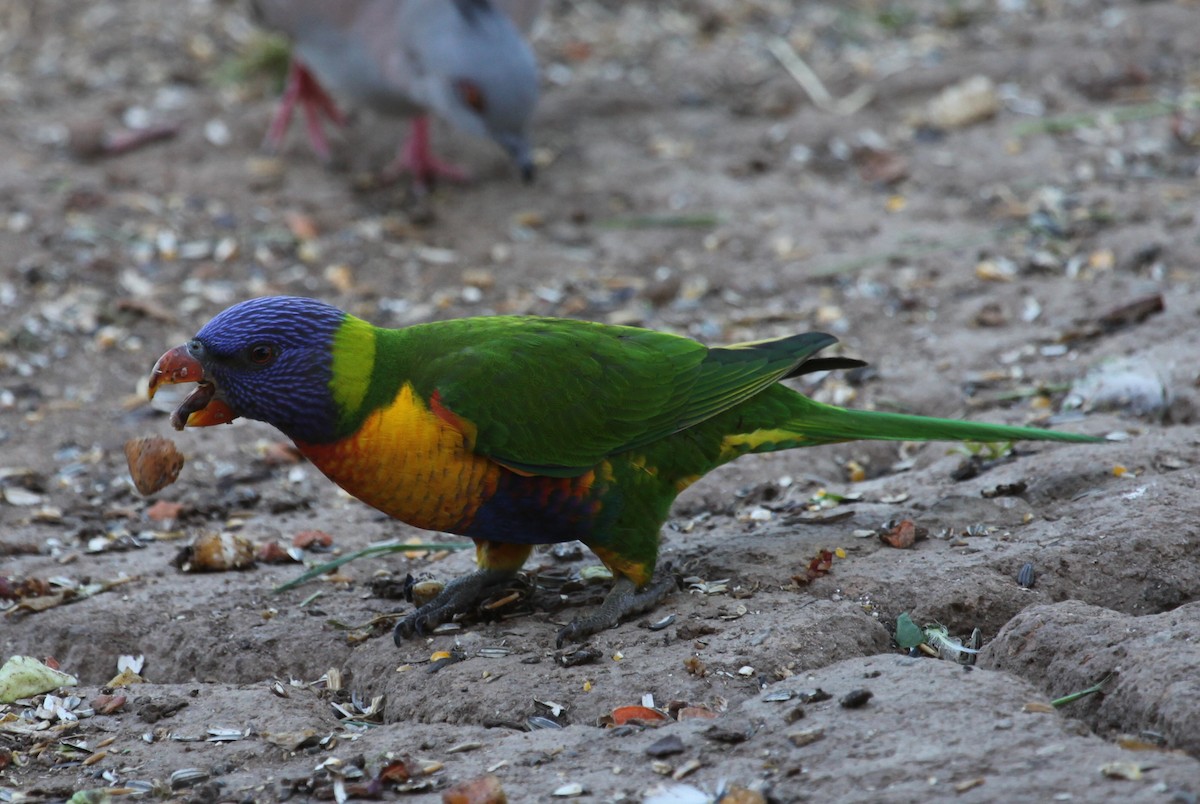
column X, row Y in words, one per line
column 556, row 397
column 551, row 396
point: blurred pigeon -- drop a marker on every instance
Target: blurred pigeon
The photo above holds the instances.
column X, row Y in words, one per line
column 465, row 60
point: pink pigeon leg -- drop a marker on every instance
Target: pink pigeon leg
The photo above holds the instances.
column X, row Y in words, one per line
column 417, row 158
column 303, row 88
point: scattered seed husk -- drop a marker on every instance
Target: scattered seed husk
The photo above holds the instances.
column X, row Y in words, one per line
column 969, row 784
column 94, row 758
column 424, row 591
column 1147, row 741
column 125, row 678
column 596, row 573
column 224, row 735
column 187, row 777
column 901, row 535
column 483, row 790
column 1131, row 771
column 686, row 769
column 567, row 551
column 464, row 747
column 1005, row 490
column 315, row 540
column 20, row 497
column 555, row 708
column 108, row 704
column 944, row 646
column 806, row 736
column 216, row 552
column 535, row 722
column 635, row 715
column 695, row 713
column 574, row 657
column 273, row 552
column 970, row 101
column 493, row 653
column 569, row 790
column 501, row 602
column 292, row 740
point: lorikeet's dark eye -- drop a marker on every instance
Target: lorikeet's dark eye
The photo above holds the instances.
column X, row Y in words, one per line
column 261, row 354
column 470, row 94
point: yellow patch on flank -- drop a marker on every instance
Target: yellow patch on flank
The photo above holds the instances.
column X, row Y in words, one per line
column 500, row 556
column 741, row 443
column 639, row 462
column 635, row 571
column 410, row 464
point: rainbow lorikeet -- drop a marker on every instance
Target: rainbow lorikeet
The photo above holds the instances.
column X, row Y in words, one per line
column 518, row 431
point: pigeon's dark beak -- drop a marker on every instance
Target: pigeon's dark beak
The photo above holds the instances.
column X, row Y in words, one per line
column 528, row 172
column 519, row 151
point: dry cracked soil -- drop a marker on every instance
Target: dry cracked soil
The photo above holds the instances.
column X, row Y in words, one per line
column 994, row 203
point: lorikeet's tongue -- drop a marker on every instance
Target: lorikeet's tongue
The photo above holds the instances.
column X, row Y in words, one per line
column 203, row 407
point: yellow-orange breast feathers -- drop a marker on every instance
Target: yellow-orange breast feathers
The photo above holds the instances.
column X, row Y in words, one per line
column 412, row 464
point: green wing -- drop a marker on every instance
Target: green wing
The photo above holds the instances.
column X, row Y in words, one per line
column 555, row 397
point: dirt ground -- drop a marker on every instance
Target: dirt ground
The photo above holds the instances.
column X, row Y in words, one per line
column 1005, row 265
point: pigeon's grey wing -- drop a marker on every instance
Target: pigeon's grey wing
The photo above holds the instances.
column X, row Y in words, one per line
column 522, row 12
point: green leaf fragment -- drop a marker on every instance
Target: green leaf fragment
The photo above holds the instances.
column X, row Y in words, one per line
column 908, row 633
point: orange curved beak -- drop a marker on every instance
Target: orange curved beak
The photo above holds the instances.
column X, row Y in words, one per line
column 202, row 407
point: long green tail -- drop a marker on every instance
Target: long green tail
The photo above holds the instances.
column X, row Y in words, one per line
column 781, row 418
column 825, row 424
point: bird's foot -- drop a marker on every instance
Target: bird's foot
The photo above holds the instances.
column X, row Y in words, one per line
column 416, row 158
column 623, row 600
column 458, row 597
column 304, row 90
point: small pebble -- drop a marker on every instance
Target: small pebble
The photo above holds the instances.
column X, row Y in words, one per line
column 794, row 714
column 671, row 744
column 727, row 734
column 217, row 133
column 856, row 699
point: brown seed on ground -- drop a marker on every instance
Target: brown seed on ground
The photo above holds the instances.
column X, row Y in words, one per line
column 484, row 790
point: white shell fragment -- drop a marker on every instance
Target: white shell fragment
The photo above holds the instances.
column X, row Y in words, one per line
column 569, row 790
column 133, row 664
